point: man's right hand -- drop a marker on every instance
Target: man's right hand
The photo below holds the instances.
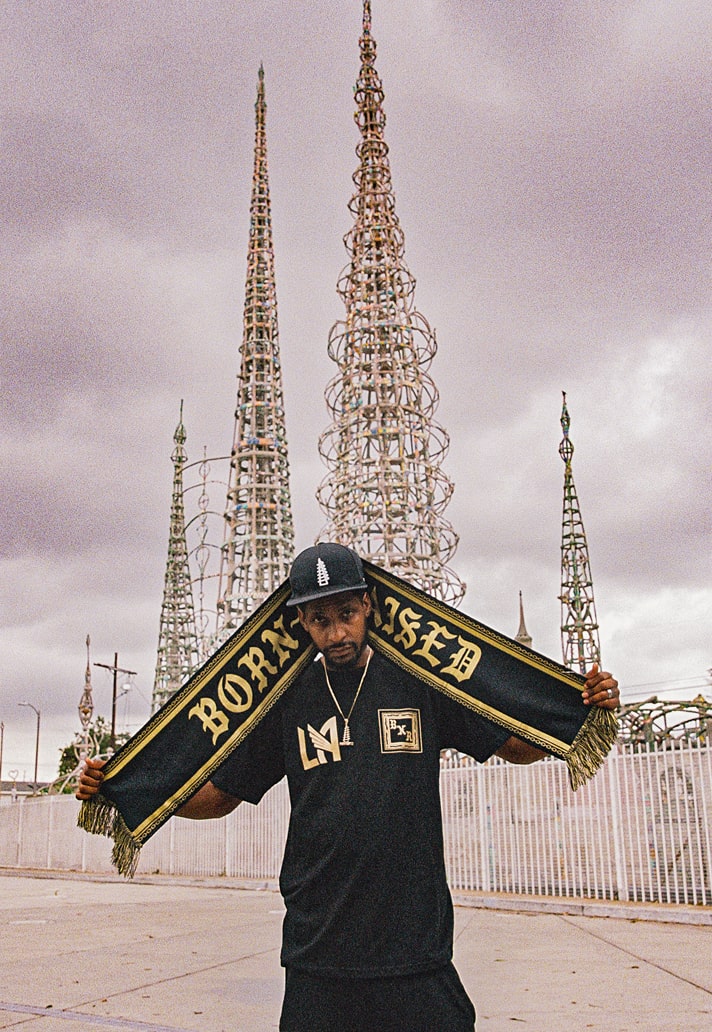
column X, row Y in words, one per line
column 90, row 778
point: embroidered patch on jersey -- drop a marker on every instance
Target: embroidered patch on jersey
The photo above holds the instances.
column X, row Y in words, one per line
column 400, row 730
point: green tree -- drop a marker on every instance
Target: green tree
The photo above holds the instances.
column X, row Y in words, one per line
column 99, row 738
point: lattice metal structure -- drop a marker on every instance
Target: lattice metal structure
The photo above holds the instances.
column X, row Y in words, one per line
column 579, row 627
column 259, row 532
column 86, row 742
column 177, row 639
column 205, row 479
column 385, row 492
column 655, row 722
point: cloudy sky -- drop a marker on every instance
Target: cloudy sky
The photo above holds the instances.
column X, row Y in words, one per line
column 551, row 163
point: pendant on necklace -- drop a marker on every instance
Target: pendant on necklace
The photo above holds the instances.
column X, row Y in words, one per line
column 346, row 738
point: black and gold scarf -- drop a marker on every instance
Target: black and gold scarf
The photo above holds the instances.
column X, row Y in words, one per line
column 180, row 747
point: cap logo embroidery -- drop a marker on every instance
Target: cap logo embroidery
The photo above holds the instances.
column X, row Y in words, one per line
column 322, row 574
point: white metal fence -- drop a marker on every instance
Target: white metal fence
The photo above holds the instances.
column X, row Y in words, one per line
column 641, row 830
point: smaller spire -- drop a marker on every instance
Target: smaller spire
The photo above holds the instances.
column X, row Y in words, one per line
column 579, row 626
column 180, row 437
column 86, row 708
column 177, row 653
column 522, row 634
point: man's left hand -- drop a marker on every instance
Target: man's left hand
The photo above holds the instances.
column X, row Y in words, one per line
column 601, row 689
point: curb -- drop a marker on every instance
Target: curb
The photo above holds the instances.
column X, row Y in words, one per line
column 663, row 913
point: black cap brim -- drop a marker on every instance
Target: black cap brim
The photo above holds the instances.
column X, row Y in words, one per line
column 326, row 593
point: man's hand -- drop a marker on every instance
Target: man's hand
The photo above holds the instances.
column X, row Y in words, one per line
column 601, row 689
column 208, row 801
column 90, row 779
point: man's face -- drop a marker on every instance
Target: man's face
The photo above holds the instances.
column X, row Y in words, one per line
column 338, row 626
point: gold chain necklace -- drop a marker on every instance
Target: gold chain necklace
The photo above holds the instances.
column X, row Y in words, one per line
column 346, row 738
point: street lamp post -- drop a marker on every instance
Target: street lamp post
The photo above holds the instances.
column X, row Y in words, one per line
column 37, row 739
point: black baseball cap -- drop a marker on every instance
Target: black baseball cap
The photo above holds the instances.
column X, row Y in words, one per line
column 322, row 570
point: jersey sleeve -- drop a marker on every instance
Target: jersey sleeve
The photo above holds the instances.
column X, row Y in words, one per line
column 468, row 732
column 257, row 764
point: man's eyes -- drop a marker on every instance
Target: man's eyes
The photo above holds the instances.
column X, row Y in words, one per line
column 344, row 615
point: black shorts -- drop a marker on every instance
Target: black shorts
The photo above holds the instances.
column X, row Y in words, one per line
column 426, row 1002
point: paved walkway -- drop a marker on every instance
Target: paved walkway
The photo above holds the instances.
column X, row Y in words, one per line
column 156, row 955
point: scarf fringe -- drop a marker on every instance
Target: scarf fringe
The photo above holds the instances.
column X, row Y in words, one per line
column 100, row 817
column 591, row 745
column 96, row 816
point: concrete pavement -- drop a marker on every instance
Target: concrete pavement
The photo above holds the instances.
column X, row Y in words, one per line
column 161, row 955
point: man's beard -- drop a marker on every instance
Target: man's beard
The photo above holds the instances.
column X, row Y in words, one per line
column 344, row 656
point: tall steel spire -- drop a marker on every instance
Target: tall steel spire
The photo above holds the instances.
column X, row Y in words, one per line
column 579, row 628
column 522, row 634
column 177, row 639
column 259, row 532
column 385, row 492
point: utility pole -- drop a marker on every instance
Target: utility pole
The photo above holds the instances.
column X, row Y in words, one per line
column 116, row 669
column 37, row 738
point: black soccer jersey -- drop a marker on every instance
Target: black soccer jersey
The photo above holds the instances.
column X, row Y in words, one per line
column 363, row 876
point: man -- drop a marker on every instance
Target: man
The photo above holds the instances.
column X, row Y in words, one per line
column 368, row 930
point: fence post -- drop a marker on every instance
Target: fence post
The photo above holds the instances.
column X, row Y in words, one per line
column 480, row 773
column 228, row 852
column 614, row 789
column 704, row 780
column 50, row 830
column 84, row 851
column 20, row 829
